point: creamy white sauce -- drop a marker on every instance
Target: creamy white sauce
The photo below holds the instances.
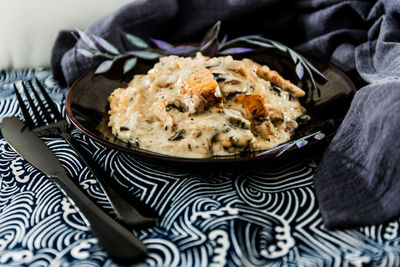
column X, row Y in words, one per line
column 191, row 107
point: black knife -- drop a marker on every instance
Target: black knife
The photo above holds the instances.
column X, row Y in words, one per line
column 120, row 244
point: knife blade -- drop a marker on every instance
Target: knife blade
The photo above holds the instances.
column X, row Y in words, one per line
column 120, row 244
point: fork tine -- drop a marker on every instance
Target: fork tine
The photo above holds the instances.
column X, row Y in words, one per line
column 41, row 104
column 25, row 113
column 49, row 101
column 39, row 120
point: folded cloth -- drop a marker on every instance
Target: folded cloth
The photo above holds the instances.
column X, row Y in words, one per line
column 357, row 181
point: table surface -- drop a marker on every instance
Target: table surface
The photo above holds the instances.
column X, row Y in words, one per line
column 264, row 214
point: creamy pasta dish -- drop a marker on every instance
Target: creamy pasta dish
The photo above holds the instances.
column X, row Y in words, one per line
column 202, row 107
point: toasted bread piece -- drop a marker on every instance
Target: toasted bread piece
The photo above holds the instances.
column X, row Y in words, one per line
column 255, row 106
column 200, row 82
column 275, row 78
column 202, row 87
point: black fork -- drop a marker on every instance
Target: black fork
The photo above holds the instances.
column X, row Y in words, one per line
column 48, row 121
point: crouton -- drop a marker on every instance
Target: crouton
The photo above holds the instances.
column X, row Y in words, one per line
column 201, row 87
column 255, row 106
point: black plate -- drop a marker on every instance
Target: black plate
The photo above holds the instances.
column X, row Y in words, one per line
column 87, row 105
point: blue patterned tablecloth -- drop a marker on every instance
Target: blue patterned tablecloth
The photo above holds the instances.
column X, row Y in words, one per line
column 264, row 215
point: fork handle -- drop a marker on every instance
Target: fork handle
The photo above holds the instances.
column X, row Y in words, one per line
column 124, row 210
column 120, row 244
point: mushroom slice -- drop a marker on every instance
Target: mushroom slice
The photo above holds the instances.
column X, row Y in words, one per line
column 176, row 103
column 228, row 84
column 222, row 77
column 213, row 64
column 275, row 114
column 236, row 119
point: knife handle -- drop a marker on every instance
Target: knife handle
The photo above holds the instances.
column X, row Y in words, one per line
column 120, row 244
column 124, row 210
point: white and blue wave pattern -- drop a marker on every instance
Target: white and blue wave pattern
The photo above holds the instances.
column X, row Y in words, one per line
column 266, row 215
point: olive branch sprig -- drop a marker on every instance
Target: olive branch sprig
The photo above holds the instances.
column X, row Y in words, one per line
column 95, row 46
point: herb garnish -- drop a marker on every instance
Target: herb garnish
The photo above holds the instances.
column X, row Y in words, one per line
column 209, row 46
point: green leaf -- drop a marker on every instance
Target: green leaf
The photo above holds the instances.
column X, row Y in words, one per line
column 183, row 50
column 75, row 35
column 130, row 64
column 224, row 39
column 211, row 34
column 319, row 135
column 136, row 41
column 258, row 43
column 280, row 46
column 163, row 45
column 312, row 67
column 106, row 45
column 85, row 52
column 301, row 143
column 295, row 57
column 86, row 39
column 299, row 70
column 210, row 49
column 235, row 50
column 210, row 44
column 150, row 55
column 247, row 38
column 104, row 66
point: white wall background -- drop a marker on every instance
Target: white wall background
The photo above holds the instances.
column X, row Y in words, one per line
column 28, row 28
